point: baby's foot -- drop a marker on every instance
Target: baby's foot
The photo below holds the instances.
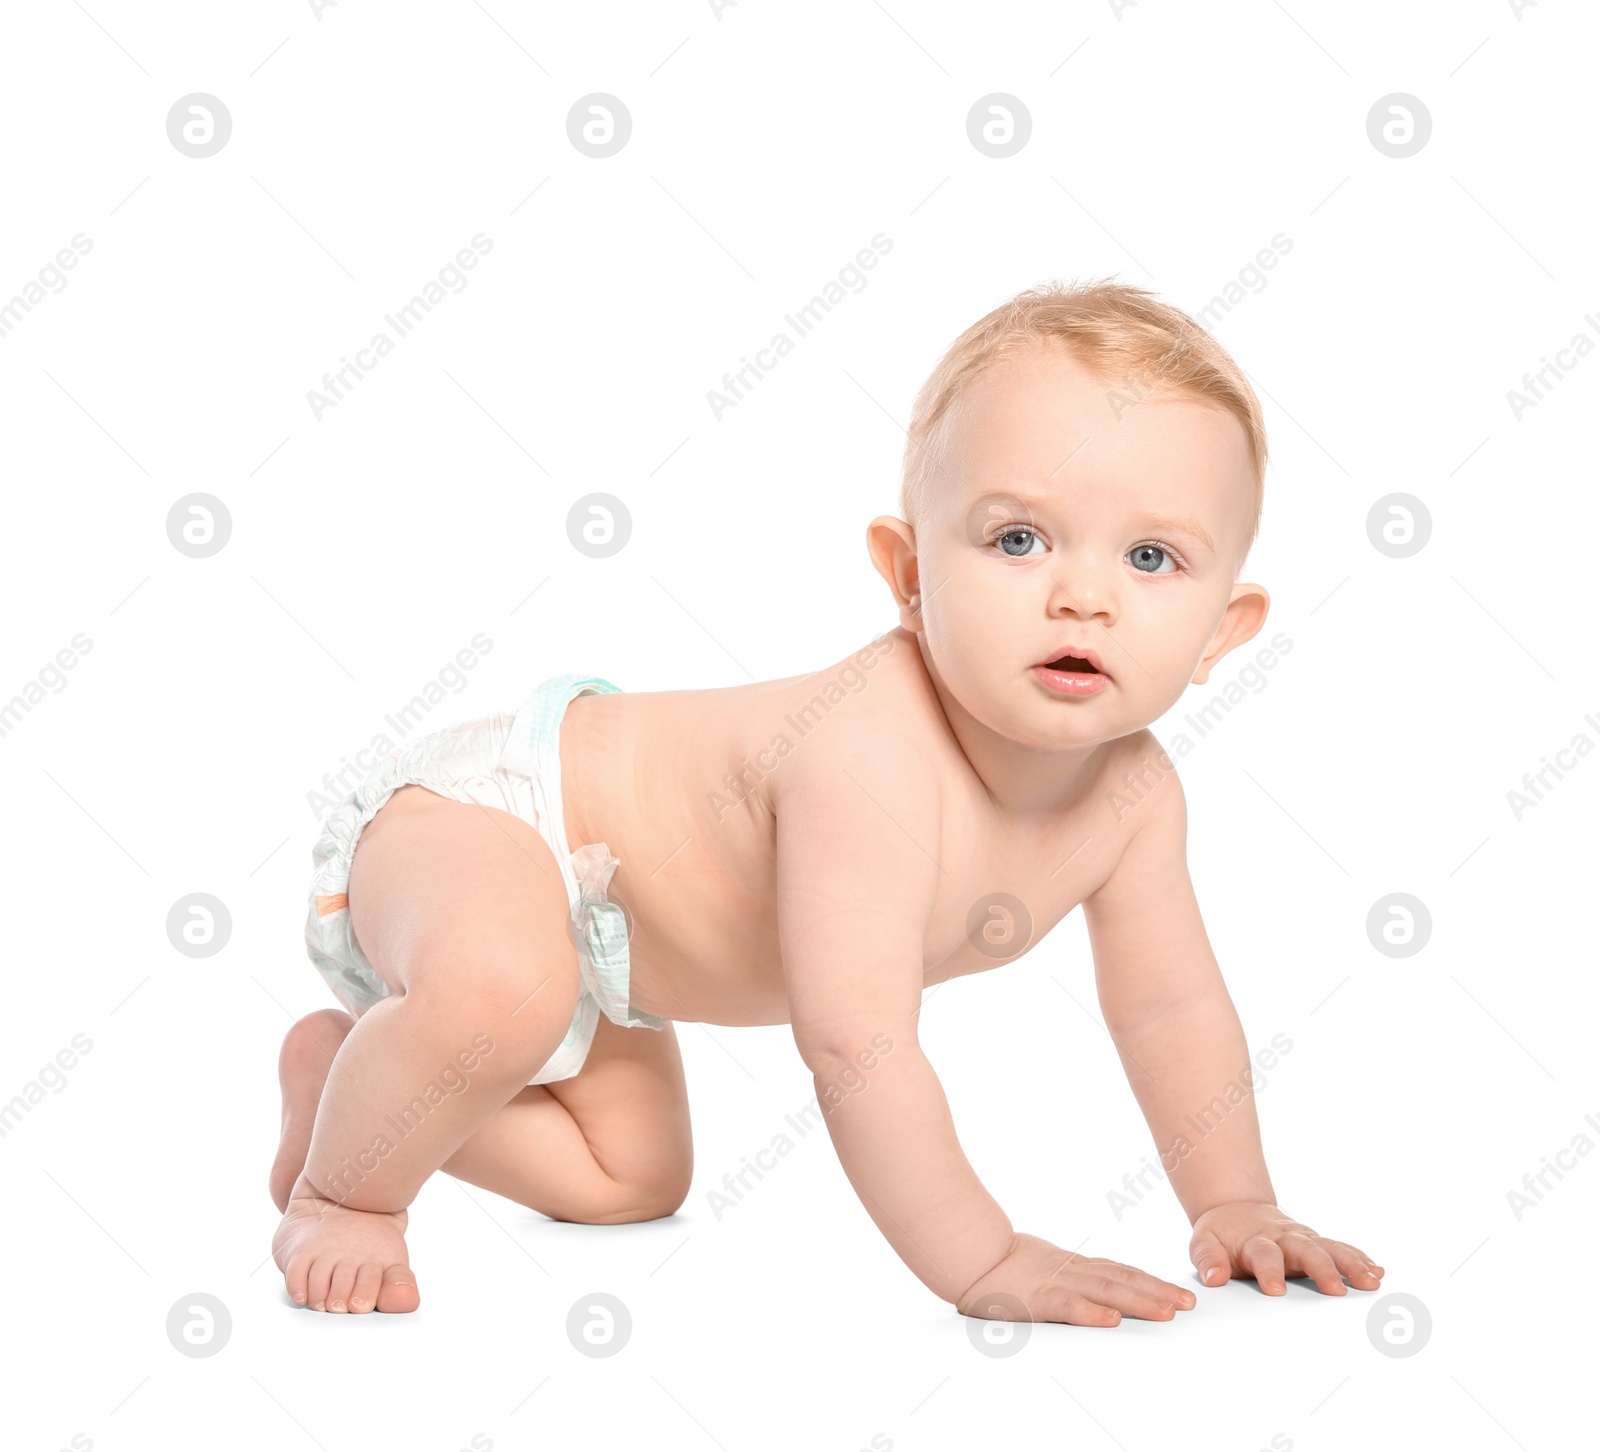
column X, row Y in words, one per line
column 334, row 1258
column 303, row 1066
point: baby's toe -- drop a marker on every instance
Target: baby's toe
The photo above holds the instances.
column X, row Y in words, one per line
column 399, row 1290
column 341, row 1284
column 364, row 1294
column 295, row 1276
column 318, row 1281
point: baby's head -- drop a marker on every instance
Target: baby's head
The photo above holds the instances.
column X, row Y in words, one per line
column 1083, row 473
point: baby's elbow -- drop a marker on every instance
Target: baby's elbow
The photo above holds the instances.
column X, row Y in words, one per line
column 847, row 1058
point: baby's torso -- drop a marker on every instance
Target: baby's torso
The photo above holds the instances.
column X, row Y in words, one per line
column 683, row 787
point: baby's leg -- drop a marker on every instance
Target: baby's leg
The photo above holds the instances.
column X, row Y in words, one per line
column 461, row 911
column 304, row 1063
column 608, row 1146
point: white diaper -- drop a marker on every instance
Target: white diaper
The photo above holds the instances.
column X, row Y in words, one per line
column 505, row 761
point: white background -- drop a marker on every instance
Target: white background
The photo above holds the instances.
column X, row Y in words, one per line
column 368, row 547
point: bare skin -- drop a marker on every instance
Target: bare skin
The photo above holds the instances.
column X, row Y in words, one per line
column 819, row 850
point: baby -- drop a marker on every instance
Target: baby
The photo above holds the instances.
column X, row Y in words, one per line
column 516, row 911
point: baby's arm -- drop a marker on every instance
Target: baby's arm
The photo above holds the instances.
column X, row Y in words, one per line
column 857, row 843
column 1170, row 1016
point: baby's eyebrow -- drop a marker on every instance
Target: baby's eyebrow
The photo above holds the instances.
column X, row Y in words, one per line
column 1191, row 527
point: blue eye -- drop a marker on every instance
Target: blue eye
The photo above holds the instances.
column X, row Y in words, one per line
column 1017, row 542
column 1149, row 559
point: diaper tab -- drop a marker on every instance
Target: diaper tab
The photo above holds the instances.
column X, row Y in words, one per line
column 602, row 927
column 603, row 935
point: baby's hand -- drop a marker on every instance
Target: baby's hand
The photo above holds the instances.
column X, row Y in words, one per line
column 1247, row 1239
column 1058, row 1285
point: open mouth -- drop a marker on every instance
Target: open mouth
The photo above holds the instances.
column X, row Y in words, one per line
column 1075, row 663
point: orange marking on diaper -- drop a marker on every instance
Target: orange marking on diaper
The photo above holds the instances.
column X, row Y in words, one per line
column 332, row 903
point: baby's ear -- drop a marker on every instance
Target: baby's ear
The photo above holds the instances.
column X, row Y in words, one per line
column 1245, row 615
column 893, row 546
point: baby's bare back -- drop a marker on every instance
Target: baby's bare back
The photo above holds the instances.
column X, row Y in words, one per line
column 686, row 788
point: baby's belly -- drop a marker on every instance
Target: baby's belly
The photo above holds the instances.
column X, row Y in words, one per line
column 701, row 901
column 707, row 960
column 709, row 952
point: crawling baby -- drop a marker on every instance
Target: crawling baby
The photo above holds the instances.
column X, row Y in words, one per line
column 516, row 911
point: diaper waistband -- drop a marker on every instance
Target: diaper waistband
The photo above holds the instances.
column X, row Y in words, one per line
column 533, row 750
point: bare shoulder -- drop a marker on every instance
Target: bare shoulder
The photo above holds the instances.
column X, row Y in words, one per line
column 857, row 827
column 1146, row 801
column 857, row 801
column 1142, row 774
column 872, row 711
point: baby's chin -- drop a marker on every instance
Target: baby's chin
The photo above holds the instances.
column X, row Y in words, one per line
column 1021, row 710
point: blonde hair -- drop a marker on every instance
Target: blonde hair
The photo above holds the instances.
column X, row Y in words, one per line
column 1123, row 335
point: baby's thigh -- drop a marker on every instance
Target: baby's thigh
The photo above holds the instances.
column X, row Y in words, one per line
column 452, row 899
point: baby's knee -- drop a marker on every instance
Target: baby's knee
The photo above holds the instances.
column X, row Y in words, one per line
column 659, row 1201
column 627, row 1205
column 520, row 1005
column 653, row 1195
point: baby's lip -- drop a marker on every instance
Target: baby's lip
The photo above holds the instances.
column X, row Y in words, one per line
column 1073, row 657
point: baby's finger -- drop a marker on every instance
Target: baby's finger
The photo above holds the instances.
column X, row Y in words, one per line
column 1179, row 1296
column 1261, row 1257
column 1210, row 1259
column 1076, row 1310
column 1129, row 1299
column 1304, row 1256
column 1355, row 1266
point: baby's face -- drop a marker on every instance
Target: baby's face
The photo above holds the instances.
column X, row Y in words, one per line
column 1055, row 527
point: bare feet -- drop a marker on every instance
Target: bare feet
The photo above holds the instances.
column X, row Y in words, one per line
column 337, row 1259
column 303, row 1066
column 333, row 1258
